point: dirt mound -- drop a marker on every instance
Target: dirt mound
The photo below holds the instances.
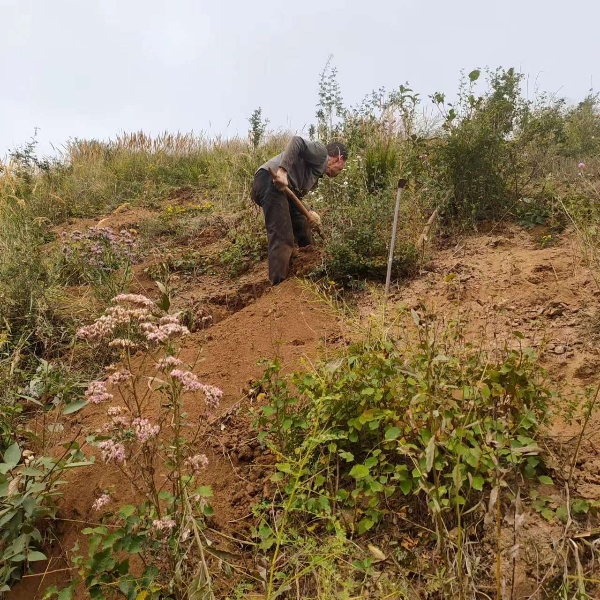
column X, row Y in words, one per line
column 123, row 217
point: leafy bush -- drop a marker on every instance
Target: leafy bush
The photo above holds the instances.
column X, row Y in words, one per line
column 475, row 159
column 29, row 486
column 359, row 225
column 431, row 423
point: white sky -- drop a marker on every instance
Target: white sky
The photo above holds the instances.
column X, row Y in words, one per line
column 94, row 68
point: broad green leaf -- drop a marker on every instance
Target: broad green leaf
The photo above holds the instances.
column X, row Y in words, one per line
column 31, row 472
column 580, row 506
column 485, row 390
column 545, row 480
column 548, row 514
column 12, row 456
column 392, row 433
column 406, row 486
column 36, row 556
column 285, row 468
column 74, row 407
column 364, row 525
column 562, row 514
column 359, row 472
column 66, row 594
column 478, row 482
column 102, row 530
column 127, row 510
column 204, row 491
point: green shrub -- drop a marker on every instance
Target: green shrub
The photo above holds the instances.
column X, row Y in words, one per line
column 434, row 424
column 475, row 159
column 29, row 486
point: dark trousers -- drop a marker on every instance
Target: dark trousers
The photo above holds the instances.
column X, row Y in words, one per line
column 284, row 223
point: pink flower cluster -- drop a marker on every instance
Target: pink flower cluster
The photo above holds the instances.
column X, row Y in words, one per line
column 119, row 377
column 96, row 392
column 122, row 343
column 168, row 361
column 197, row 463
column 112, row 451
column 189, row 382
column 144, row 430
column 139, row 312
column 135, row 300
column 113, row 318
column 164, row 525
column 213, row 396
column 164, row 332
column 101, row 502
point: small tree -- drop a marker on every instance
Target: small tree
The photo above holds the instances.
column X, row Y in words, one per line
column 258, row 126
column 330, row 103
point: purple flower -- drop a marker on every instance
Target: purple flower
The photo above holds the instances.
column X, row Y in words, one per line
column 164, row 525
column 168, row 361
column 135, row 299
column 581, row 166
column 101, row 502
column 164, row 332
column 213, row 396
column 189, row 382
column 197, row 463
column 119, row 377
column 96, row 392
column 144, row 430
column 122, row 343
column 112, row 452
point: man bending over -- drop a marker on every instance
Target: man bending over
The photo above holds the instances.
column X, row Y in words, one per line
column 299, row 167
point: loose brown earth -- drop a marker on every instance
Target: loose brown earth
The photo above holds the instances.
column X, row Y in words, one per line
column 497, row 283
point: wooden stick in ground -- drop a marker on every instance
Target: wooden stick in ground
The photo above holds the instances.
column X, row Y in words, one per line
column 401, row 184
column 290, row 194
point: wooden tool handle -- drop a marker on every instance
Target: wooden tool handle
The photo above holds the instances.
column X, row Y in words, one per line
column 290, row 194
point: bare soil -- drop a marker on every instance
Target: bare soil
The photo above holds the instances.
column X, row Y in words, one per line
column 497, row 283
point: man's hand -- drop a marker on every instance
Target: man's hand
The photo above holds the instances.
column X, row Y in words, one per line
column 281, row 179
column 315, row 219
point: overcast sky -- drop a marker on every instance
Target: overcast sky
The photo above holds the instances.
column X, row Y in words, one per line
column 94, row 68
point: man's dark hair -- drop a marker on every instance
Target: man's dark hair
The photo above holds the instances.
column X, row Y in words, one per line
column 337, row 149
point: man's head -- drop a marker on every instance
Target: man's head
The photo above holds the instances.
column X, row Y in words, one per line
column 337, row 155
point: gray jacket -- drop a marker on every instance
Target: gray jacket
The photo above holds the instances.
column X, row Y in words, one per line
column 304, row 161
